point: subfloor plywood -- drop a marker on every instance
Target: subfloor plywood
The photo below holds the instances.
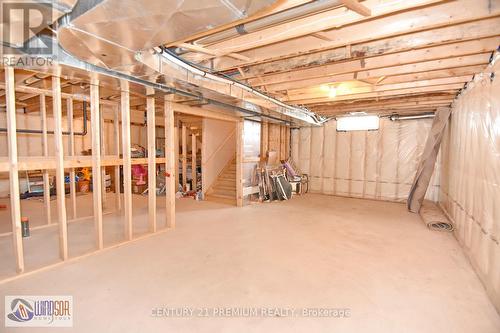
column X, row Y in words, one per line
column 314, row 251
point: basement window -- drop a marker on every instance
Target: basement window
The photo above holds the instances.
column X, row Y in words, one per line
column 358, row 123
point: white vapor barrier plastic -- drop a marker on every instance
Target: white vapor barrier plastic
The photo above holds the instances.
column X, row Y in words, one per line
column 470, row 192
column 364, row 164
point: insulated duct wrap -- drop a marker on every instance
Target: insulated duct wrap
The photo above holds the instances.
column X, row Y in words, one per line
column 470, row 192
column 364, row 164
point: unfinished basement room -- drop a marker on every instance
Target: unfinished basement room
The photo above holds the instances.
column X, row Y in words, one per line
column 250, row 166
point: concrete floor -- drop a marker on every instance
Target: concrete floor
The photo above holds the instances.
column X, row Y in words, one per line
column 315, row 251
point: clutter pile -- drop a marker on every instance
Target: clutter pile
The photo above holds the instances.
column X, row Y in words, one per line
column 279, row 180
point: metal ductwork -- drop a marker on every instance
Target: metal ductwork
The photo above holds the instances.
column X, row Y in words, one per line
column 88, row 35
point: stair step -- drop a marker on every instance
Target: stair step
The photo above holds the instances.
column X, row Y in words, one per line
column 225, row 193
column 224, row 187
column 221, row 199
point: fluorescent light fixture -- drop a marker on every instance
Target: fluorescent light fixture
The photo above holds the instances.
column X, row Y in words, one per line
column 358, row 123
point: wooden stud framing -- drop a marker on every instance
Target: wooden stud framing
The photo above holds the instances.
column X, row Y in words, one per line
column 95, row 125
column 176, row 154
column 170, row 163
column 59, row 150
column 264, row 140
column 103, row 153
column 193, row 161
column 184, row 156
column 116, row 134
column 150, row 101
column 45, row 148
column 239, row 163
column 71, row 152
column 127, row 165
column 15, row 210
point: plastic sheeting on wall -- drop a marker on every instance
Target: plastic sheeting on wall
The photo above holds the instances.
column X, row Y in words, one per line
column 470, row 192
column 364, row 164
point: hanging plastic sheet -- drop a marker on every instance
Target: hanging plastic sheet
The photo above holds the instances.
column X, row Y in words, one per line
column 363, row 164
column 470, row 192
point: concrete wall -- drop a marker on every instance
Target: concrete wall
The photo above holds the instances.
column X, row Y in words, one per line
column 363, row 164
column 470, row 191
column 219, row 148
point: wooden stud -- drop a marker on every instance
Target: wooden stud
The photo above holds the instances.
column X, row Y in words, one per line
column 150, row 101
column 264, row 144
column 193, row 161
column 96, row 161
column 59, row 153
column 45, row 148
column 116, row 133
column 176, row 162
column 15, row 209
column 71, row 152
column 355, row 6
column 184, row 156
column 170, row 163
column 127, row 165
column 102, row 136
column 239, row 163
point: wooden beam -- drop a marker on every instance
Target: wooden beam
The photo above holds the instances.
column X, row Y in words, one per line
column 325, row 20
column 239, row 163
column 276, row 7
column 355, row 6
column 184, row 156
column 200, row 112
column 59, row 153
column 15, row 209
column 170, row 163
column 127, row 166
column 204, row 50
column 71, row 152
column 430, row 25
column 95, row 127
column 193, row 161
column 150, row 106
column 414, row 68
column 102, row 136
column 116, row 134
column 445, row 52
column 45, row 149
column 312, row 93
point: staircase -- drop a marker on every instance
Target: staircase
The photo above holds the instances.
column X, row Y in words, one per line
column 223, row 189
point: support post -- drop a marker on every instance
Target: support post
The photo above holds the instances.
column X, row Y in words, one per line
column 184, row 157
column 61, row 193
column 103, row 153
column 239, row 163
column 96, row 161
column 176, row 163
column 193, row 161
column 15, row 209
column 116, row 132
column 151, row 163
column 71, row 150
column 170, row 163
column 127, row 165
column 264, row 140
column 45, row 148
